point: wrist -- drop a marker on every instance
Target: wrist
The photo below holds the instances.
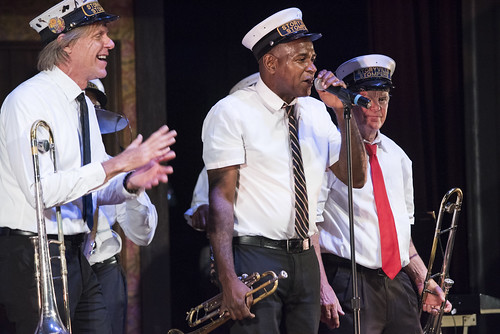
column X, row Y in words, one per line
column 131, row 189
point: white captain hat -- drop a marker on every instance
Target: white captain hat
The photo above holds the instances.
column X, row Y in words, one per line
column 281, row 27
column 245, row 82
column 96, row 86
column 369, row 72
column 67, row 15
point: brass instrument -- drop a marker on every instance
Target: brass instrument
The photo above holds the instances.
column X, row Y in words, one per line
column 433, row 324
column 210, row 309
column 50, row 321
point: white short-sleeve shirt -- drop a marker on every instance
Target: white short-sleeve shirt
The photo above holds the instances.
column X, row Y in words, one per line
column 249, row 128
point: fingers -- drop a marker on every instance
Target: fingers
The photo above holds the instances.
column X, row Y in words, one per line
column 136, row 142
column 448, row 307
column 328, row 78
column 158, row 144
column 167, row 156
column 330, row 316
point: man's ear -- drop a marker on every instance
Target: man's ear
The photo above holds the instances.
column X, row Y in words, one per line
column 269, row 62
column 67, row 49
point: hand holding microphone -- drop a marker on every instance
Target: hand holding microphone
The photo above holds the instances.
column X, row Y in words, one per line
column 344, row 94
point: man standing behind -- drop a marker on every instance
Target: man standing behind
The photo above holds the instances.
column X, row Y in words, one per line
column 265, row 178
column 383, row 215
column 77, row 44
column 137, row 218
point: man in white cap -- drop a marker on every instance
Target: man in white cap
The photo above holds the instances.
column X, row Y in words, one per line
column 266, row 148
column 137, row 218
column 382, row 232
column 76, row 47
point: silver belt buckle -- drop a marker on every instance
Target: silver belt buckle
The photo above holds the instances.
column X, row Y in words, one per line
column 303, row 245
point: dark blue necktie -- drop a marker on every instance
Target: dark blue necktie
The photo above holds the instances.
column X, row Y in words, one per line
column 88, row 210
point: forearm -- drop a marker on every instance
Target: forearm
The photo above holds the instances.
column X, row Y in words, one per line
column 358, row 157
column 221, row 219
column 220, row 233
column 315, row 242
column 416, row 269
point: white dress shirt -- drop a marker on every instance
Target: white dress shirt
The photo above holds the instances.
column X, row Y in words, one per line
column 137, row 218
column 50, row 96
column 200, row 196
column 334, row 230
column 249, row 128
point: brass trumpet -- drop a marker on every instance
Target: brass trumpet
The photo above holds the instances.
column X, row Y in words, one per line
column 433, row 324
column 50, row 321
column 209, row 310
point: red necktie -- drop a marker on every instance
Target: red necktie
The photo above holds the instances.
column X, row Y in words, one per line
column 391, row 261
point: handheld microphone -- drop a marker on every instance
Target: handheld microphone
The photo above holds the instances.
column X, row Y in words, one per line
column 345, row 95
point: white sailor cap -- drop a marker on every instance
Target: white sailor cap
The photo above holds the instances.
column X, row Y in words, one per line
column 96, row 86
column 281, row 27
column 67, row 15
column 245, row 82
column 370, row 72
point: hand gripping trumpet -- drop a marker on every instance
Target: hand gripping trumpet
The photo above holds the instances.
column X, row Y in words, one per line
column 209, row 310
column 50, row 321
column 433, row 325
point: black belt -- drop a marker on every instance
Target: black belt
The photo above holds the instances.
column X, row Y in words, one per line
column 111, row 260
column 290, row 245
column 74, row 238
column 346, row 263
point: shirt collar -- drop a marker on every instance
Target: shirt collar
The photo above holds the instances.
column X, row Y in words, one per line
column 377, row 141
column 65, row 84
column 273, row 102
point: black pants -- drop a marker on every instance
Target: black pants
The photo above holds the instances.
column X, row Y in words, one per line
column 294, row 308
column 387, row 306
column 114, row 288
column 18, row 291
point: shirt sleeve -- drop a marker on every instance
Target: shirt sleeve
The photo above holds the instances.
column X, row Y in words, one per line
column 408, row 185
column 222, row 135
column 138, row 219
column 68, row 184
column 200, row 196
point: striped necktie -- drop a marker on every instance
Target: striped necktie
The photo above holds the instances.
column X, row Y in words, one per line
column 88, row 210
column 301, row 204
column 391, row 261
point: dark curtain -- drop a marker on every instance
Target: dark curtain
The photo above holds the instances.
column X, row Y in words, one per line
column 426, row 113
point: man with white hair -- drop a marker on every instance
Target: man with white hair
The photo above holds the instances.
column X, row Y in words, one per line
column 75, row 35
column 386, row 259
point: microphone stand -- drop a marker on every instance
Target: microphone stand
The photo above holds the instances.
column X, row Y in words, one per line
column 355, row 301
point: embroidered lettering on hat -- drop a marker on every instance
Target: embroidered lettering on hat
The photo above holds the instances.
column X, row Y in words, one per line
column 291, row 27
column 372, row 72
column 92, row 9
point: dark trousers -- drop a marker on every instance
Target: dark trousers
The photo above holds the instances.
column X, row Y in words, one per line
column 18, row 290
column 294, row 308
column 387, row 306
column 114, row 288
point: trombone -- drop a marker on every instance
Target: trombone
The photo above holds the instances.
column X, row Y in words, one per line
column 433, row 324
column 208, row 311
column 50, row 321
